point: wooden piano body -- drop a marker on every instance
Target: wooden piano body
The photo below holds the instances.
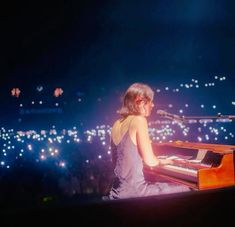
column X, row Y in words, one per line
column 211, row 167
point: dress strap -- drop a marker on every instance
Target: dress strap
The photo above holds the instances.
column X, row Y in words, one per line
column 130, row 123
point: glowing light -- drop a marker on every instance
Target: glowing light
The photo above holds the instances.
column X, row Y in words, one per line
column 30, row 147
column 199, row 138
column 39, row 88
column 50, row 140
column 15, row 92
column 62, row 164
column 58, row 92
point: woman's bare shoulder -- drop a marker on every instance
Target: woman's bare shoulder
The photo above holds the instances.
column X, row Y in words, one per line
column 116, row 124
column 139, row 120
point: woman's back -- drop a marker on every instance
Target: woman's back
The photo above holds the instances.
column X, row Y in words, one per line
column 121, row 127
column 127, row 160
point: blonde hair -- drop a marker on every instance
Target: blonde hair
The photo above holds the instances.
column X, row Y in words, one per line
column 136, row 93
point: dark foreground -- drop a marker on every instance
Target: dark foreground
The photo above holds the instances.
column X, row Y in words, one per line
column 196, row 208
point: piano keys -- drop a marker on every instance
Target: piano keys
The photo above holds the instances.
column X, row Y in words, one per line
column 208, row 165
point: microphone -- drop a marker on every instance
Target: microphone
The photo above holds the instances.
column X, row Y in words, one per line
column 169, row 115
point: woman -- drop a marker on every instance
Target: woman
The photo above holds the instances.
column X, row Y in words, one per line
column 131, row 148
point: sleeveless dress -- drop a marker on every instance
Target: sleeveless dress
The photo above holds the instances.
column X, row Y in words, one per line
column 129, row 181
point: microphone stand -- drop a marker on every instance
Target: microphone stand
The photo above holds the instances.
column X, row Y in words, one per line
column 218, row 118
column 201, row 119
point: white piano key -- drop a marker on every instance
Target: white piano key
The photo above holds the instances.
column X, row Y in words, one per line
column 178, row 169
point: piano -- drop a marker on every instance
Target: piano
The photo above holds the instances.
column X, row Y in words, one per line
column 202, row 166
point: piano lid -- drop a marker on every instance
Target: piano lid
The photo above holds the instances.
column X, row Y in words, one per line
column 217, row 148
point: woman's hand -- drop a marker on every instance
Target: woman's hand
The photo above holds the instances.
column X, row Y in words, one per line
column 165, row 161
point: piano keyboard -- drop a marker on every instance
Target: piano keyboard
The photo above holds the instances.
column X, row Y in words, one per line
column 179, row 172
column 183, row 170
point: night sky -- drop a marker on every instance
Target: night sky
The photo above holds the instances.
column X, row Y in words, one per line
column 98, row 48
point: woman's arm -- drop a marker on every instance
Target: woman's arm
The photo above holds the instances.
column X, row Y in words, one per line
column 144, row 143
